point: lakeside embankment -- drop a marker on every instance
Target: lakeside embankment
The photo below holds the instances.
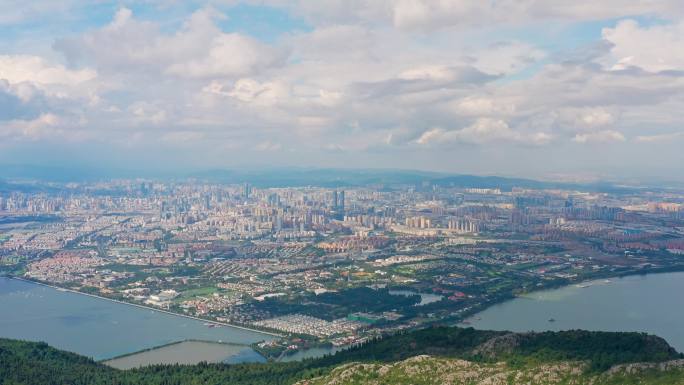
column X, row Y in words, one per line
column 147, row 307
column 186, row 352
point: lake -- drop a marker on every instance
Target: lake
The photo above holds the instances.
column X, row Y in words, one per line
column 103, row 329
column 188, row 352
column 99, row 328
column 425, row 298
column 649, row 303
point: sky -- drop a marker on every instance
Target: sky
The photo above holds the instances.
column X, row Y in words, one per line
column 549, row 89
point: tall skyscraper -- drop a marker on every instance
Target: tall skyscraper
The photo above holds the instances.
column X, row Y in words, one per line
column 340, row 201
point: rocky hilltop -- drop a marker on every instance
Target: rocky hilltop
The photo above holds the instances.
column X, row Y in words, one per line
column 427, row 370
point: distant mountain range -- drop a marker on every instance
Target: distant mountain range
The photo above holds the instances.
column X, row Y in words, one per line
column 294, row 177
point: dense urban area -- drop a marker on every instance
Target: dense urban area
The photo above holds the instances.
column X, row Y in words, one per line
column 331, row 265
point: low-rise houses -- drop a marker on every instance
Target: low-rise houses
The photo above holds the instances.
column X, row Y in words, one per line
column 304, row 324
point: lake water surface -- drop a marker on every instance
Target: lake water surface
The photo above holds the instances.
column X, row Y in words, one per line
column 103, row 329
column 188, row 352
column 649, row 303
column 98, row 328
column 425, row 298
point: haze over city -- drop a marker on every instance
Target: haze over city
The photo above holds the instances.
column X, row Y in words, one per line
column 341, row 192
column 558, row 90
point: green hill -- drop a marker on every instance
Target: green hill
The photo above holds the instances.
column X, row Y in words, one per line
column 572, row 355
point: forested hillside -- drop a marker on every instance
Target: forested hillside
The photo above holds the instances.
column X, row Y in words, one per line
column 584, row 354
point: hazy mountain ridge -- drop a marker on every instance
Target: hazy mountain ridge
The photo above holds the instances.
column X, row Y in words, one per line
column 293, row 177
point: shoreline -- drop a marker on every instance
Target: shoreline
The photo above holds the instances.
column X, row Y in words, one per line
column 58, row 288
column 104, row 361
column 465, row 322
column 471, row 314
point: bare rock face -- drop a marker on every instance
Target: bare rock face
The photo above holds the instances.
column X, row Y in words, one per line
column 425, row 369
column 428, row 370
column 643, row 366
column 497, row 369
column 506, row 343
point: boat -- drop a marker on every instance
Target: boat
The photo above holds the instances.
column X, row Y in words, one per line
column 583, row 285
column 552, row 320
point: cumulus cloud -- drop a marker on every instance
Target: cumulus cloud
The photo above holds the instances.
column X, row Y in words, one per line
column 251, row 91
column 585, row 118
column 34, row 69
column 367, row 79
column 198, row 49
column 229, row 55
column 482, row 131
column 655, row 48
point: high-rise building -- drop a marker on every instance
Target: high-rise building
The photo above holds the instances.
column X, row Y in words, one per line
column 334, row 199
column 340, row 201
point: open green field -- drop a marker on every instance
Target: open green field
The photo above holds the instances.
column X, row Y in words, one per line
column 199, row 292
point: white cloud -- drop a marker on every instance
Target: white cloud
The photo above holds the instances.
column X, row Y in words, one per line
column 372, row 78
column 429, row 72
column 539, row 138
column 605, row 136
column 585, row 118
column 198, row 49
column 482, row 131
column 482, row 105
column 655, row 48
column 147, row 113
column 34, row 69
column 44, row 126
column 268, row 146
column 229, row 55
column 251, row 91
column 506, row 57
column 660, row 138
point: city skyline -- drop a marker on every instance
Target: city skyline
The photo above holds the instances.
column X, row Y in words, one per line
column 545, row 90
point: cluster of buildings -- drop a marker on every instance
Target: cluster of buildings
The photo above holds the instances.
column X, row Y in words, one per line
column 304, row 324
column 238, row 253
